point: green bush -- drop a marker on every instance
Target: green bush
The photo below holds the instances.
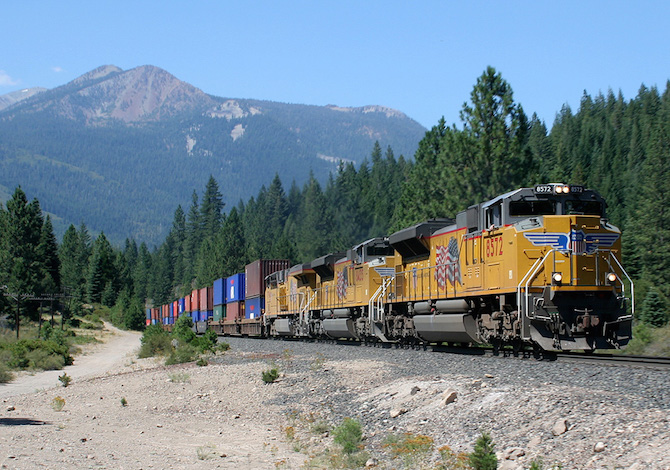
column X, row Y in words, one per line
column 155, row 341
column 41, row 359
column 484, row 456
column 6, row 376
column 270, row 375
column 183, row 329
column 349, row 435
column 182, row 353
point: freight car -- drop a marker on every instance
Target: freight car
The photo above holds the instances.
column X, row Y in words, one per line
column 533, row 267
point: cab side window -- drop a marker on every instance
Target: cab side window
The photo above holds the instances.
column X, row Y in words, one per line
column 494, row 215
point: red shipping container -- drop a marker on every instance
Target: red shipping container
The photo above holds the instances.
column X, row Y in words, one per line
column 256, row 272
column 206, row 299
column 234, row 310
column 166, row 311
column 195, row 301
column 175, row 307
column 155, row 313
column 187, row 303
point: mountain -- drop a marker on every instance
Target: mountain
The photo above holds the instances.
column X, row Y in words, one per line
column 119, row 150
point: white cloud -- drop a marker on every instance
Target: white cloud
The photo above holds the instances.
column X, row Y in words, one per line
column 6, row 80
column 57, row 69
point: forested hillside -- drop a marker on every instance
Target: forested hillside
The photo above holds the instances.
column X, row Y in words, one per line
column 617, row 146
column 119, row 150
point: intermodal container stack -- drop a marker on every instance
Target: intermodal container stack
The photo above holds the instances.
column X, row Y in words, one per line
column 195, row 306
column 219, row 300
column 255, row 274
column 148, row 317
column 234, row 297
column 206, row 303
column 187, row 305
column 181, row 307
column 155, row 316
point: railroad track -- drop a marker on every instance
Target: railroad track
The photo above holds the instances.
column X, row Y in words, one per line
column 659, row 363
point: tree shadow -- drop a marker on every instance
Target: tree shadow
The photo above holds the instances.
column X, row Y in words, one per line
column 22, row 422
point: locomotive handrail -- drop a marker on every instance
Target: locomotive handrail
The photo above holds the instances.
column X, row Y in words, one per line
column 632, row 286
column 530, row 275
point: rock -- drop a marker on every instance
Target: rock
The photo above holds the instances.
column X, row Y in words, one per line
column 11, row 408
column 599, row 447
column 488, row 376
column 372, row 462
column 414, row 390
column 560, row 427
column 513, row 453
column 395, row 412
column 449, row 396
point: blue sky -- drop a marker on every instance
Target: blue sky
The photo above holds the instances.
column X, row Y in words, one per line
column 422, row 58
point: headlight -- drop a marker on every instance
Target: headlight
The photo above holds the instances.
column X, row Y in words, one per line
column 566, row 189
column 611, row 278
column 559, row 189
column 556, row 278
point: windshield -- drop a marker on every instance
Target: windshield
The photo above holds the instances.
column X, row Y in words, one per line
column 583, row 207
column 531, row 208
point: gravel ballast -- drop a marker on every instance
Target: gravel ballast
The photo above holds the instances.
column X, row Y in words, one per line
column 223, row 415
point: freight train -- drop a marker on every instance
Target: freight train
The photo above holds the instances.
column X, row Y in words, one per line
column 536, row 267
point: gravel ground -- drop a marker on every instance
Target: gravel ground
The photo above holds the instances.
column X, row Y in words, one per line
column 224, row 416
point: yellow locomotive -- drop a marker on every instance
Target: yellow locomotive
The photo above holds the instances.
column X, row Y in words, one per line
column 536, row 266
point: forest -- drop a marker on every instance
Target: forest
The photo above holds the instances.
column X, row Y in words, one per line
column 619, row 147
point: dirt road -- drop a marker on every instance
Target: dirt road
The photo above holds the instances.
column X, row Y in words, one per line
column 118, row 349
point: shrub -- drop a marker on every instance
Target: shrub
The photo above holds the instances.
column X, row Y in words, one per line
column 65, row 379
column 155, row 341
column 270, row 375
column 180, row 354
column 349, row 435
column 5, row 375
column 124, row 402
column 411, row 448
column 202, row 362
column 179, row 377
column 484, row 456
column 183, row 329
column 41, row 359
column 58, row 403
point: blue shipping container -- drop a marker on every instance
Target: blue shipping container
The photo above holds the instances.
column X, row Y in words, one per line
column 171, row 309
column 182, row 305
column 148, row 314
column 254, row 307
column 235, row 288
column 219, row 292
column 195, row 316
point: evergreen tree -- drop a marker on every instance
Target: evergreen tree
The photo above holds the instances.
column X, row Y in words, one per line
column 230, row 244
column 48, row 253
column 102, row 272
column 211, row 209
column 192, row 240
column 71, row 268
column 23, row 268
column 484, row 456
column 654, row 309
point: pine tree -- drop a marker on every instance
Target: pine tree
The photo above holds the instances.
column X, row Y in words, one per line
column 211, row 209
column 48, row 253
column 71, row 268
column 654, row 309
column 484, row 457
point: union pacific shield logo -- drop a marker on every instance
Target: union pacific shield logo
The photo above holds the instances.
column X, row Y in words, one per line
column 576, row 241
